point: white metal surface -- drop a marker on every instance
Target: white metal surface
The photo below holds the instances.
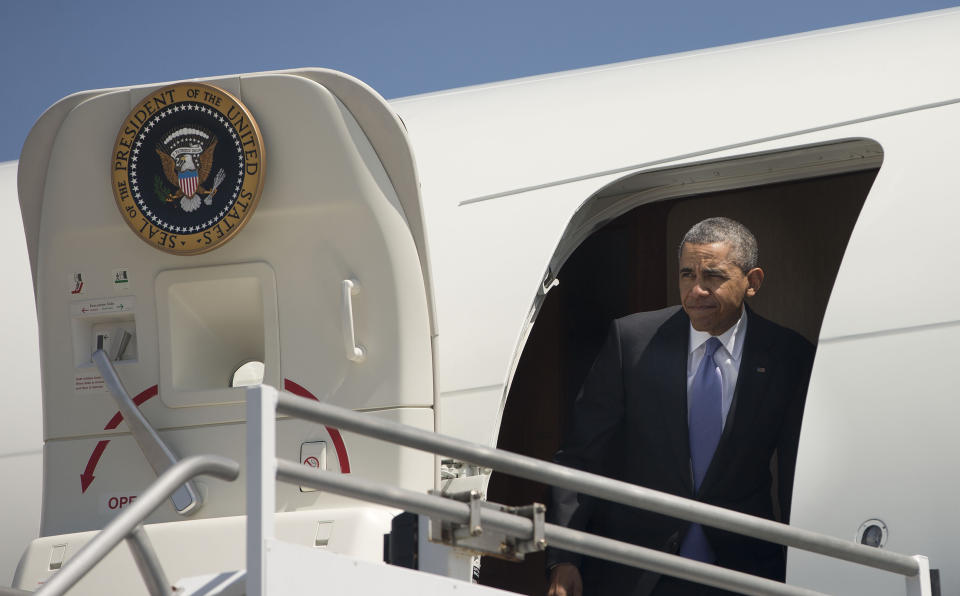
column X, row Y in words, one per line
column 558, row 127
column 210, row 546
column 127, row 527
column 226, row 583
column 551, row 141
column 880, row 409
column 344, row 575
column 21, row 438
column 124, row 471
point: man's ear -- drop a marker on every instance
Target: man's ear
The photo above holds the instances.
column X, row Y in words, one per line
column 754, row 281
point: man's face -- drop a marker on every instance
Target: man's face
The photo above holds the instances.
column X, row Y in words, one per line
column 712, row 287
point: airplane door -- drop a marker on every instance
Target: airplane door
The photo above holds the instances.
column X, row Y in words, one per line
column 326, row 286
column 352, row 293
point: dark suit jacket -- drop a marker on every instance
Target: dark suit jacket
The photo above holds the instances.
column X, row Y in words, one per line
column 630, row 423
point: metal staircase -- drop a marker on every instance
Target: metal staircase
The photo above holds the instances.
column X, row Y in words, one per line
column 463, row 522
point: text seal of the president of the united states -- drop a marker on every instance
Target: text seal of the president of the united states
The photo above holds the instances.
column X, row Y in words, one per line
column 187, row 168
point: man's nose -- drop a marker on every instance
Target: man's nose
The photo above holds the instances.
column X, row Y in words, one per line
column 699, row 289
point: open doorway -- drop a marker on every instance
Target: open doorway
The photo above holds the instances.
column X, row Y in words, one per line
column 629, row 265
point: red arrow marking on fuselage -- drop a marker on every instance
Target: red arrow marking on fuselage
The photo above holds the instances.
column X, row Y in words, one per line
column 139, row 399
column 87, row 477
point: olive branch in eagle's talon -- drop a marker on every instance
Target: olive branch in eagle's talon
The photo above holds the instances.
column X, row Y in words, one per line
column 162, row 190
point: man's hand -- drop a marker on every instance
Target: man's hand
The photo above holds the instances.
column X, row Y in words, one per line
column 565, row 581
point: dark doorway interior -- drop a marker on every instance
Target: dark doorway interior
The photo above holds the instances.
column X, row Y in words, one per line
column 630, row 265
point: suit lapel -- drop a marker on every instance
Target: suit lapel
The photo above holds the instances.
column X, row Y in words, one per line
column 751, row 386
column 673, row 338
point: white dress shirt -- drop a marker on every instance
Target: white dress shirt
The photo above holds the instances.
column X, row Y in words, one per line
column 727, row 357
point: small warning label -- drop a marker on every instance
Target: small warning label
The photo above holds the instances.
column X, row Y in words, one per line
column 75, row 284
column 121, row 278
column 89, row 383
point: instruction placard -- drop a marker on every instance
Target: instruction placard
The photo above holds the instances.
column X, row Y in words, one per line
column 89, row 383
column 102, row 306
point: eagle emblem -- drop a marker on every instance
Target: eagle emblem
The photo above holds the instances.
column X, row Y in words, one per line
column 187, row 167
column 186, row 155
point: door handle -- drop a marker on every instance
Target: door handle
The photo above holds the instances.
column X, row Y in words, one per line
column 355, row 352
column 186, row 499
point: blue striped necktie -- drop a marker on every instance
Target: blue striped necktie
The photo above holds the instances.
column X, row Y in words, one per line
column 706, row 424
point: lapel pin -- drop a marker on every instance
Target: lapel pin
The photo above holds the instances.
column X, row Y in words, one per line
column 761, row 369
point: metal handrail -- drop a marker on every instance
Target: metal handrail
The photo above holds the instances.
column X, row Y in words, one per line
column 599, row 486
column 127, row 526
column 441, row 508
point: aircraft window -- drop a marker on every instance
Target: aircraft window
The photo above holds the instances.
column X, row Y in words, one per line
column 247, row 374
column 872, row 532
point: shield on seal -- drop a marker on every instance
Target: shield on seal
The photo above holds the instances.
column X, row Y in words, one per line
column 188, row 182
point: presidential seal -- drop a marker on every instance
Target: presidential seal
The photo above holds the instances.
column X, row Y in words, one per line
column 187, row 168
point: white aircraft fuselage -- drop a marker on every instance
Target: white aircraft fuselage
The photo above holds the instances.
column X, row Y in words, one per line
column 454, row 216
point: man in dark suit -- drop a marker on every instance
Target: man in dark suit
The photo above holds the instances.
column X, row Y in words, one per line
column 695, row 401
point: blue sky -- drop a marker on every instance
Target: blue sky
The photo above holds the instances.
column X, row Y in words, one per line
column 402, row 47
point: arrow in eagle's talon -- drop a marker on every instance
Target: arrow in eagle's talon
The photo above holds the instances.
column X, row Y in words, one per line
column 217, row 180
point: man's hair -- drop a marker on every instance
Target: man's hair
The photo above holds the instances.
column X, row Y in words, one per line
column 743, row 244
